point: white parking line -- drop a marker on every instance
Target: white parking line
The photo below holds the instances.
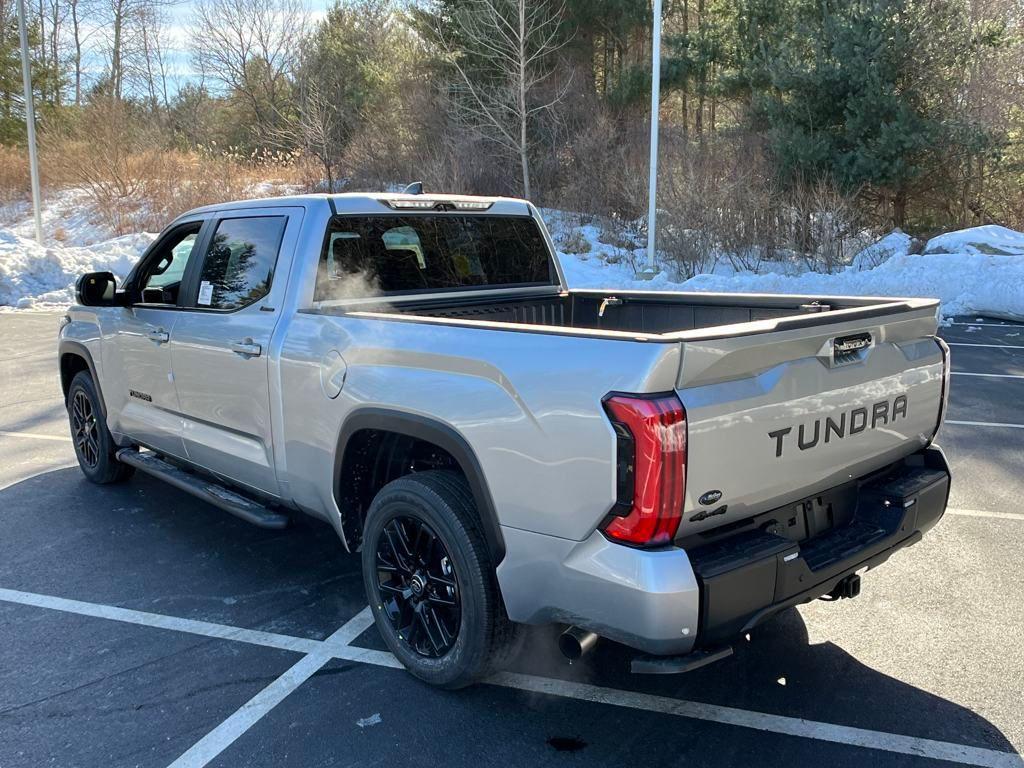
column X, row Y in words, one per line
column 983, row 513
column 162, row 621
column 991, row 375
column 36, row 436
column 337, row 646
column 228, row 732
column 791, row 726
column 988, row 346
column 989, row 325
column 983, row 424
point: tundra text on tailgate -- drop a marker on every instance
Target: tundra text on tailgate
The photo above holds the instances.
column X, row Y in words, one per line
column 666, row 470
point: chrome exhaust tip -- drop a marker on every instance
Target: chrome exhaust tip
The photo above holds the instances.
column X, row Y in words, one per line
column 575, row 642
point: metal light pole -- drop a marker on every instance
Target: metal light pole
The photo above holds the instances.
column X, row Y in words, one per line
column 30, row 120
column 655, row 98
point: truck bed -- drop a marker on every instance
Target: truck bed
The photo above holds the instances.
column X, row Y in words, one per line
column 768, row 382
column 654, row 313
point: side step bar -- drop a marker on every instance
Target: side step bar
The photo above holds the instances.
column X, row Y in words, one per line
column 208, row 490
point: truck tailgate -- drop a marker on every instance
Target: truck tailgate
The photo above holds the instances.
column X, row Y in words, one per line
column 777, row 417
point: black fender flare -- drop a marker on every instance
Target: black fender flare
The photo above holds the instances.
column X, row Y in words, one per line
column 76, row 348
column 440, row 434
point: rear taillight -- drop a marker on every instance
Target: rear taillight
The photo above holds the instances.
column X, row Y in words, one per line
column 651, row 468
column 944, row 396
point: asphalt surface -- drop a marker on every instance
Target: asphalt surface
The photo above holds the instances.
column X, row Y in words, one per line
column 139, row 626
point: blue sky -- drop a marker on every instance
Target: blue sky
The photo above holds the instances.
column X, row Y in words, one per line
column 180, row 58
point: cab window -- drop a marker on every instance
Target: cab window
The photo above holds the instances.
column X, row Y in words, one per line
column 162, row 275
column 239, row 264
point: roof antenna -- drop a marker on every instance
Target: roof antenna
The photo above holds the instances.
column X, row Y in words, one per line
column 416, row 188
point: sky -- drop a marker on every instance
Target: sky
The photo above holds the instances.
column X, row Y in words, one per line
column 181, row 66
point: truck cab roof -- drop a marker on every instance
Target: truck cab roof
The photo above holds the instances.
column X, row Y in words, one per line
column 379, row 202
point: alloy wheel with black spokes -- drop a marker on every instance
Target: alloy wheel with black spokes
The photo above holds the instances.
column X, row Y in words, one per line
column 94, row 445
column 85, row 431
column 431, row 582
column 419, row 589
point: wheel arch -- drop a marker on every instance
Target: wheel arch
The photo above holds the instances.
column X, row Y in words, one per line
column 75, row 357
column 428, row 431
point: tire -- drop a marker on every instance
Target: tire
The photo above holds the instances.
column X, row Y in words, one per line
column 94, row 445
column 480, row 638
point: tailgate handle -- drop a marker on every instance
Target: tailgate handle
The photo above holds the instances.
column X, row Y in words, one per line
column 850, row 349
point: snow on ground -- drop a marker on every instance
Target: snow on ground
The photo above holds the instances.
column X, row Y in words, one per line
column 973, row 271
column 43, row 276
column 990, row 239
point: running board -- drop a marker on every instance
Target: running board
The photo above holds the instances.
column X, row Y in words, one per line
column 677, row 665
column 208, row 490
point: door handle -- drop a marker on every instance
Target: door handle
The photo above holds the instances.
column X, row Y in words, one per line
column 159, row 335
column 249, row 348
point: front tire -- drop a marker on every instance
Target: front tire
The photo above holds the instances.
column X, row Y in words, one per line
column 430, row 581
column 94, row 445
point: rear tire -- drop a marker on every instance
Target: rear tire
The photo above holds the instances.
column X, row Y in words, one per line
column 431, row 584
column 94, row 445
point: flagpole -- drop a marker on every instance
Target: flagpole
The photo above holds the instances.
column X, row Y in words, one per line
column 655, row 99
column 30, row 120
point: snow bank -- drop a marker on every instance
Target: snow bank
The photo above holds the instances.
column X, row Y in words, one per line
column 973, row 271
column 967, row 280
column 43, row 277
column 990, row 239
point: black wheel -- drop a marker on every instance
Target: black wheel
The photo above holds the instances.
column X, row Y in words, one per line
column 430, row 581
column 94, row 445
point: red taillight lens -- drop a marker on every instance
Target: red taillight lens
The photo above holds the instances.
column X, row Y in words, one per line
column 654, row 467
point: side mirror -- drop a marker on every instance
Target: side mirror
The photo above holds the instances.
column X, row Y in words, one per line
column 97, row 289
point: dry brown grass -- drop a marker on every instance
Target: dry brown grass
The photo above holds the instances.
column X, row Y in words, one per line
column 142, row 190
column 14, row 180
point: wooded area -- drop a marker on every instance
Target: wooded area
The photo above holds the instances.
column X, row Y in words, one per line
column 785, row 123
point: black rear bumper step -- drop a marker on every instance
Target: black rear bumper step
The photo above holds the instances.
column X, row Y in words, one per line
column 677, row 665
column 203, row 488
column 754, row 574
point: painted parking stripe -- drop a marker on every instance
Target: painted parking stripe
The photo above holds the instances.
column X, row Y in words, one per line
column 983, row 424
column 36, row 436
column 162, row 621
column 987, row 346
column 988, row 325
column 229, row 731
column 334, row 648
column 790, row 726
column 991, row 375
column 983, row 513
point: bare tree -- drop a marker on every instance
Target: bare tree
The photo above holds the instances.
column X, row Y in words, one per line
column 503, row 52
column 250, row 46
column 125, row 26
column 313, row 132
column 76, row 10
column 149, row 63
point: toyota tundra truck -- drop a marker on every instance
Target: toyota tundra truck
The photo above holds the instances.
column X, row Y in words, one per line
column 665, row 470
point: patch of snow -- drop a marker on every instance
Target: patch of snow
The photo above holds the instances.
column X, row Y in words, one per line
column 895, row 243
column 991, row 239
column 43, row 276
column 965, row 282
column 374, row 719
column 973, row 271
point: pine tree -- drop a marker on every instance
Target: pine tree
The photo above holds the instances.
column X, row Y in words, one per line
column 865, row 95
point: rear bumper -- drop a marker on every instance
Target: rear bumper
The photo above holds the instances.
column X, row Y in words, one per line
column 751, row 576
column 672, row 601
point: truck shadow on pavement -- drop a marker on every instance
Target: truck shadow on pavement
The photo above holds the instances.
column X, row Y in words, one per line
column 146, row 546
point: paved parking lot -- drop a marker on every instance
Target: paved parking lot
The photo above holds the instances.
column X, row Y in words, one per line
column 139, row 627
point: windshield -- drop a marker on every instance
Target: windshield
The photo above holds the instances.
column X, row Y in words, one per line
column 380, row 255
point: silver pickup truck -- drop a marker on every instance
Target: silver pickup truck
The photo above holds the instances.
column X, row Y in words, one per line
column 665, row 470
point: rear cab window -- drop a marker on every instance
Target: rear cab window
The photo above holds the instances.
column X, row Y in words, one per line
column 366, row 256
